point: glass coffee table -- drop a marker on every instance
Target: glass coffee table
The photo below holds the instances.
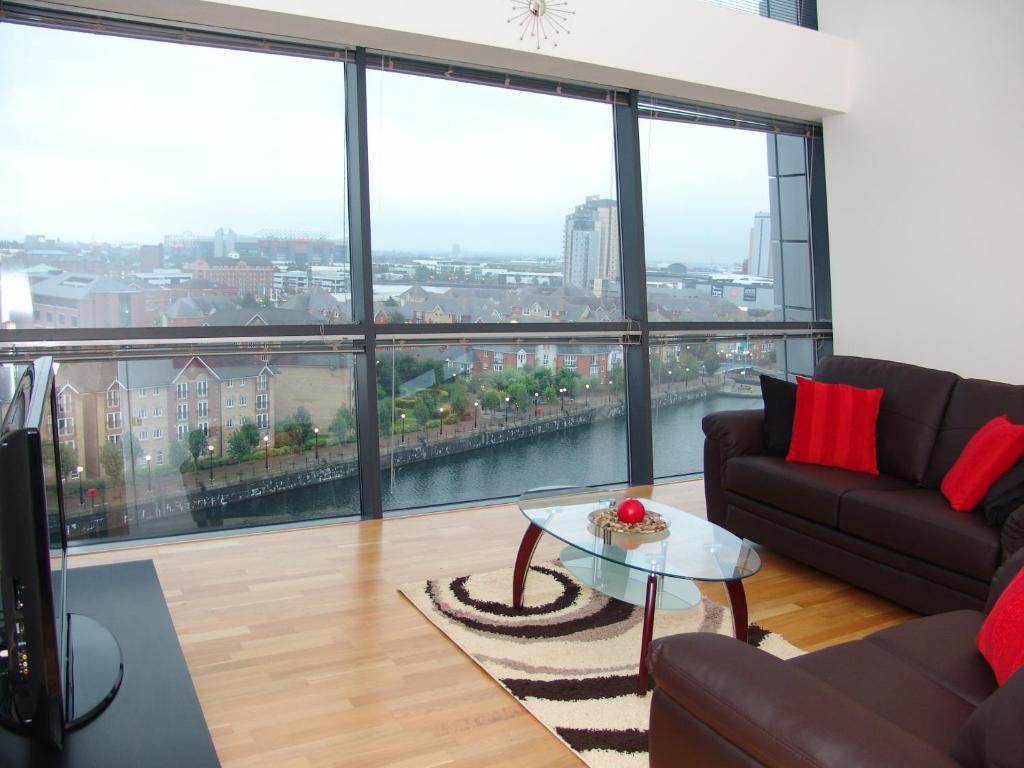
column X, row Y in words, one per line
column 656, row 571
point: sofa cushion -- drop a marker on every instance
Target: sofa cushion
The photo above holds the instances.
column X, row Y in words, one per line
column 988, row 455
column 921, row 523
column 806, row 490
column 886, row 685
column 834, row 425
column 910, row 413
column 974, row 402
column 779, row 408
column 992, row 736
column 1001, row 638
column 942, row 647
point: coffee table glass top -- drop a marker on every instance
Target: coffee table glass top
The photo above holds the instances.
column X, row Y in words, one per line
column 691, row 548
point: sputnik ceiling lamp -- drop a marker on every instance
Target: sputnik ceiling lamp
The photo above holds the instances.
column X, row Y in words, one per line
column 541, row 19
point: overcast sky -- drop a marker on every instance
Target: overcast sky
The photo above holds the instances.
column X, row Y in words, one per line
column 119, row 140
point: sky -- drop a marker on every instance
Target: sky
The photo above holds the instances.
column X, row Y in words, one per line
column 119, row 140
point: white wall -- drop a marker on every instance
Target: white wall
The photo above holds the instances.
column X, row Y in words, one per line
column 925, row 176
column 687, row 49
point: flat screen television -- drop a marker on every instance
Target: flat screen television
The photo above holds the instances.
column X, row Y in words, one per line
column 58, row 670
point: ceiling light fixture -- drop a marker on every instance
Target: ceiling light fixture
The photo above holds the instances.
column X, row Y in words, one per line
column 541, row 19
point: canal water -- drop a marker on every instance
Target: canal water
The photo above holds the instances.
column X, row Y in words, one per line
column 590, row 455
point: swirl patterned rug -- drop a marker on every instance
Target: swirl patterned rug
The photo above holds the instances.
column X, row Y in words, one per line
column 570, row 657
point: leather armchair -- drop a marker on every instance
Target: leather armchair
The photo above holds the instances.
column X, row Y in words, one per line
column 918, row 694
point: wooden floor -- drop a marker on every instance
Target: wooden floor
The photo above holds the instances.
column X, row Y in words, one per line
column 303, row 653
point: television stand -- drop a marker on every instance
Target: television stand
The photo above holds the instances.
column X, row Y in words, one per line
column 155, row 719
column 95, row 670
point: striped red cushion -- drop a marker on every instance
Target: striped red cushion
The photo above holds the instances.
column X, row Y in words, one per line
column 990, row 452
column 834, row 425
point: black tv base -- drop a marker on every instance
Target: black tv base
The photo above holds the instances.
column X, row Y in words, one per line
column 95, row 670
column 155, row 719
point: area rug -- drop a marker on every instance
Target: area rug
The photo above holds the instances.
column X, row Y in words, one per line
column 570, row 656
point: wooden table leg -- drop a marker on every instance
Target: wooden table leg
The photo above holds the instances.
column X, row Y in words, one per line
column 738, row 604
column 526, row 548
column 649, row 605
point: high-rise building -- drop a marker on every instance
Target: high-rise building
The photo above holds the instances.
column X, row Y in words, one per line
column 591, row 244
column 759, row 260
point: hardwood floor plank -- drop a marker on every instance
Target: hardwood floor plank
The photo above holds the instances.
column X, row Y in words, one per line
column 305, row 655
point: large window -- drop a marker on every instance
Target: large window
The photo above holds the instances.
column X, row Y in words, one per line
column 148, row 184
column 490, row 204
column 175, row 225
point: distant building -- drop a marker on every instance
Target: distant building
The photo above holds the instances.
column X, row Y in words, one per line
column 332, row 279
column 75, row 300
column 759, row 258
column 247, row 274
column 302, row 250
column 591, row 245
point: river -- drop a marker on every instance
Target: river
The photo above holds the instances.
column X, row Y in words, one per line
column 592, row 455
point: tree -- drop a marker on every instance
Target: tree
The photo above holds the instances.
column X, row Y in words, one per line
column 179, row 453
column 112, row 462
column 343, row 423
column 568, row 378
column 385, row 410
column 493, row 399
column 196, row 445
column 68, row 459
column 243, row 441
column 458, row 398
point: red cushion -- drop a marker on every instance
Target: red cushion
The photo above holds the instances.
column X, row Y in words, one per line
column 834, row 425
column 1001, row 639
column 987, row 456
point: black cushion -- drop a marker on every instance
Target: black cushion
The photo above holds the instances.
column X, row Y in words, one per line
column 779, row 407
column 910, row 413
column 1005, row 495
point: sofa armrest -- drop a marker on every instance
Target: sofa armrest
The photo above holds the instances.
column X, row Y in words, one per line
column 729, row 433
column 778, row 714
column 1011, row 537
column 737, row 432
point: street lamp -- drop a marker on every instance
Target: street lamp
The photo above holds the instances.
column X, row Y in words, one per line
column 402, row 417
column 440, row 428
column 536, row 401
column 476, row 410
column 316, row 443
column 81, row 491
column 561, row 397
column 609, row 390
column 266, row 452
column 507, row 401
column 210, row 447
column 149, row 472
column 586, row 394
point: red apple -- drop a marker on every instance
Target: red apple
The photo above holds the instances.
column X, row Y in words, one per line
column 631, row 511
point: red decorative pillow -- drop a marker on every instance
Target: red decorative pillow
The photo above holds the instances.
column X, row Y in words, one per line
column 987, row 456
column 1001, row 639
column 834, row 425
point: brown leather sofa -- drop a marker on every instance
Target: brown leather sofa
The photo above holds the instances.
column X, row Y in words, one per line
column 915, row 695
column 894, row 534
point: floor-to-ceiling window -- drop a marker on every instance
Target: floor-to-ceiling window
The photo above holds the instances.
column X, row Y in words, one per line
column 289, row 282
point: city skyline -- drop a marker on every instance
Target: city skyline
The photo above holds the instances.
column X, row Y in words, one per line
column 192, row 138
